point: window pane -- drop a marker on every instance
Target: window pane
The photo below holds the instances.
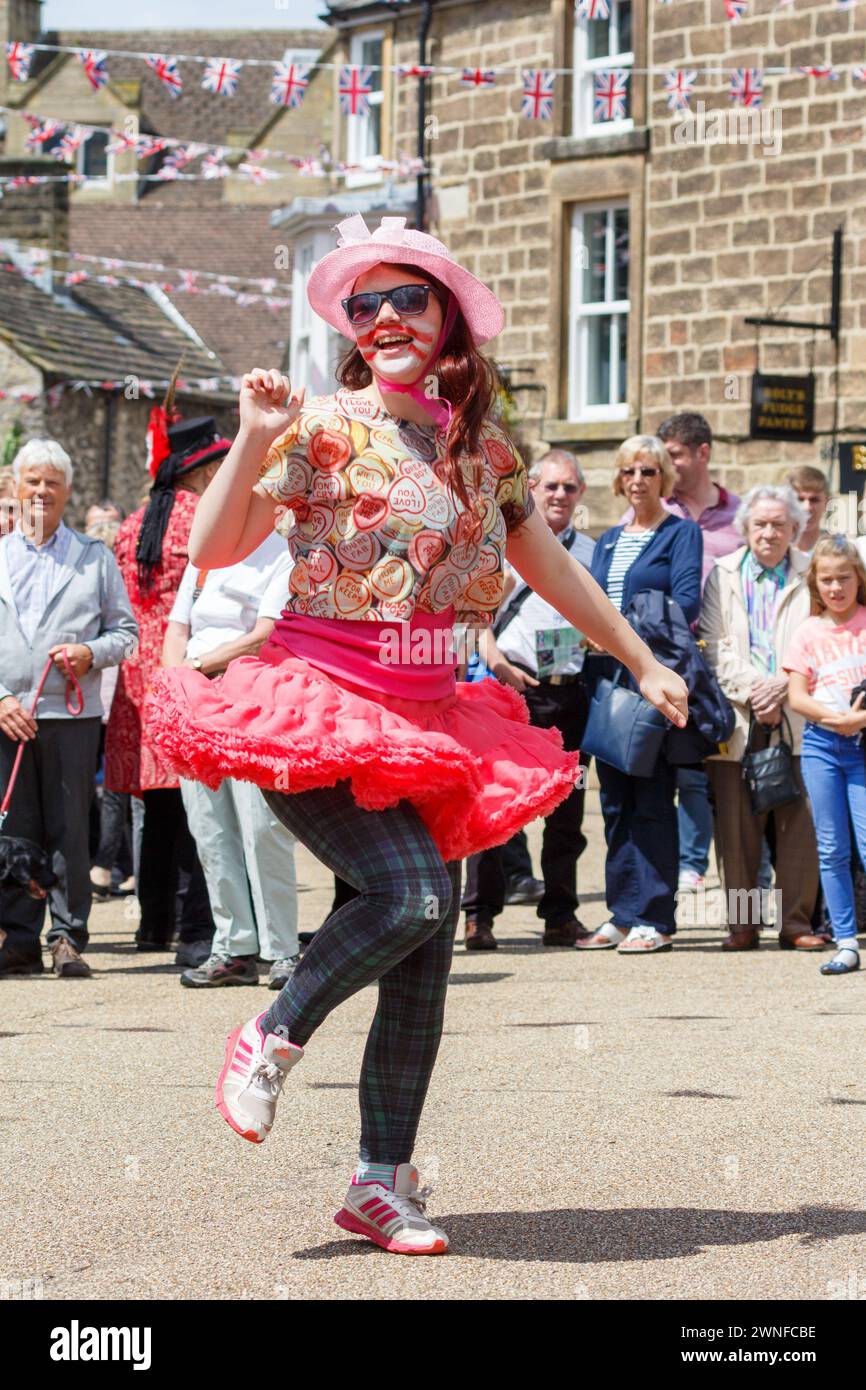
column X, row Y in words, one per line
column 94, row 160
column 597, row 37
column 621, row 253
column 624, row 25
column 371, row 56
column 371, row 142
column 594, row 240
column 622, row 394
column 598, row 359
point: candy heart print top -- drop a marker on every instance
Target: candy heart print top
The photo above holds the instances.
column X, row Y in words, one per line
column 377, row 533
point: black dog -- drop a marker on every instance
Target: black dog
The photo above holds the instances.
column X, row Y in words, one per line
column 23, row 863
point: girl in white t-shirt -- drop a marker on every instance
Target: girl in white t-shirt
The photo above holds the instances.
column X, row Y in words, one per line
column 825, row 661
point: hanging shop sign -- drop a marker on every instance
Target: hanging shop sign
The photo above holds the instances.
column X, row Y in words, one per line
column 783, row 407
column 852, row 466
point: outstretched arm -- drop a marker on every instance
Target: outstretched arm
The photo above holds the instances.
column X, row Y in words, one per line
column 553, row 573
column 232, row 519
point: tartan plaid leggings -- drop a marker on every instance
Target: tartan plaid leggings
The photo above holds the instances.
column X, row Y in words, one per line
column 398, row 932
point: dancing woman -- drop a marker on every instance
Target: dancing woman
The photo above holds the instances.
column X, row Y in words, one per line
column 406, row 498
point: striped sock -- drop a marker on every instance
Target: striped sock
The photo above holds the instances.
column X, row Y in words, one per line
column 382, row 1173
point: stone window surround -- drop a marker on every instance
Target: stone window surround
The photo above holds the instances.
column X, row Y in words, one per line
column 562, row 21
column 612, row 179
column 343, row 55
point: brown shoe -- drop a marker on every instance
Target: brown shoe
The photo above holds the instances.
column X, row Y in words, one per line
column 805, row 941
column 741, row 941
column 67, row 962
column 565, row 934
column 478, row 936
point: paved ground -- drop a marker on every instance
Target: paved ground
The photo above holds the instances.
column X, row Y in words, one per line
column 683, row 1126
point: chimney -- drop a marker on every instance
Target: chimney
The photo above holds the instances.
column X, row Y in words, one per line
column 21, row 21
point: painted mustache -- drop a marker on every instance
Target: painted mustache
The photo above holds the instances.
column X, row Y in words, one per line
column 419, row 345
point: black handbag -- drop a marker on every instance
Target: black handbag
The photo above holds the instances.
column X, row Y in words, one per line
column 769, row 773
column 623, row 729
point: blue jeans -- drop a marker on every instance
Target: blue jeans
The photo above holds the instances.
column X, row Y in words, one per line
column 695, row 818
column 834, row 771
column 640, row 826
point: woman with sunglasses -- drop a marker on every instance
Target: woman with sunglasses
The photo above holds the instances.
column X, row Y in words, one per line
column 406, row 497
column 655, row 550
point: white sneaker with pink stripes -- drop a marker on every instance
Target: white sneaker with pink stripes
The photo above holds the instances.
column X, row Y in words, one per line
column 252, row 1078
column 394, row 1220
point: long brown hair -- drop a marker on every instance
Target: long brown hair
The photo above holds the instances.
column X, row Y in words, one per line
column 464, row 377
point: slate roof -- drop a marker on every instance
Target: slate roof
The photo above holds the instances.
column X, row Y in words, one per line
column 97, row 332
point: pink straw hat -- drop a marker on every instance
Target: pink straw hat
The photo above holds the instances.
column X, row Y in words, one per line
column 358, row 249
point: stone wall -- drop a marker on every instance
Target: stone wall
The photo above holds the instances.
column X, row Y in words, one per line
column 743, row 228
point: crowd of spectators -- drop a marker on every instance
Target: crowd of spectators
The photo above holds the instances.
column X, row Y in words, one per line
column 777, row 607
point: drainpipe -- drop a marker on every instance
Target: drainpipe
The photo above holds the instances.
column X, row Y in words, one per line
column 421, row 196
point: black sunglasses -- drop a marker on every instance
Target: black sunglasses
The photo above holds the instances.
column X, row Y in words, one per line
column 644, row 472
column 408, row 300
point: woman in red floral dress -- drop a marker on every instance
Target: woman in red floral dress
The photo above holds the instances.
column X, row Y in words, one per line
column 152, row 552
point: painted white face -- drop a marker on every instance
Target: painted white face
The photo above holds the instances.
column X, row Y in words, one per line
column 397, row 348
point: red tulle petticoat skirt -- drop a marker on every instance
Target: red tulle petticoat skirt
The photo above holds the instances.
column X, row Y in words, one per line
column 471, row 764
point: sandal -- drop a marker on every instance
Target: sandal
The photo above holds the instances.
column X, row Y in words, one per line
column 604, row 939
column 642, row 941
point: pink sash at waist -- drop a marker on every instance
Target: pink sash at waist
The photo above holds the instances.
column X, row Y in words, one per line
column 414, row 660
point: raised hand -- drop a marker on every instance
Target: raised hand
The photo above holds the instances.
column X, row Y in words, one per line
column 267, row 404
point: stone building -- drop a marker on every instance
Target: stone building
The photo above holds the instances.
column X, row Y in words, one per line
column 54, row 339
column 218, row 225
column 629, row 251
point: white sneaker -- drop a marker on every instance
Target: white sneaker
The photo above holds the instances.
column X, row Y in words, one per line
column 690, row 881
column 252, row 1078
column 641, row 941
column 394, row 1220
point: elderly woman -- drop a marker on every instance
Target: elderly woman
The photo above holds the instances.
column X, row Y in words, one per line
column 754, row 601
column 653, row 550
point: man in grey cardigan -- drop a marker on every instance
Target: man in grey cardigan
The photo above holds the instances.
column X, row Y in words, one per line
column 60, row 592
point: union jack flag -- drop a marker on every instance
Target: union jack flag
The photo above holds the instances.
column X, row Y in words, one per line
column 859, row 74
column 735, row 9
column 73, row 138
column 122, row 142
column 147, row 145
column 256, row 174
column 537, row 101
column 826, row 71
column 188, row 282
column 182, row 155
column 213, row 166
column 477, row 77
column 220, row 76
column 611, row 91
column 747, row 85
column 355, row 89
column 289, row 84
column 93, row 62
column 167, row 72
column 75, row 277
column 593, row 9
column 417, row 71
column 40, row 131
column 679, row 85
column 19, row 57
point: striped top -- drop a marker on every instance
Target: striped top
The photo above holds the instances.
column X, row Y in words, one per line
column 629, row 545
